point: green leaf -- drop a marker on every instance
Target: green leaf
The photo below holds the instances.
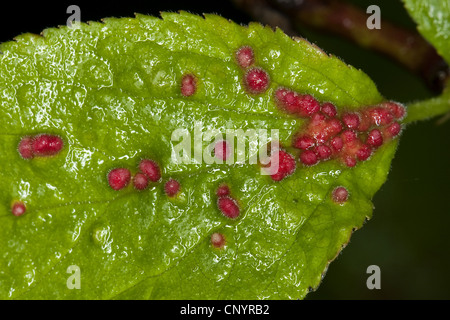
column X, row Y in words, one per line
column 111, row 90
column 433, row 20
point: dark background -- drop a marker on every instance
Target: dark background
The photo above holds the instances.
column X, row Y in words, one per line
column 408, row 236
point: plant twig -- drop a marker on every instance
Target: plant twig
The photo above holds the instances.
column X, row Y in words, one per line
column 339, row 17
column 427, row 109
column 264, row 13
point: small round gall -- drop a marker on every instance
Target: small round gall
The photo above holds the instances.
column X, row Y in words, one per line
column 337, row 144
column 340, row 195
column 151, row 169
column 329, row 109
column 323, row 152
column 172, row 187
column 393, row 130
column 334, row 126
column 374, row 138
column 308, row 105
column 46, row 145
column 286, row 166
column 364, row 152
column 349, row 161
column 396, row 109
column 140, row 181
column 222, row 150
column 223, row 190
column 309, row 158
column 380, row 116
column 228, row 207
column 25, row 149
column 217, row 240
column 18, row 208
column 188, row 85
column 245, row 57
column 119, row 178
column 287, row 100
column 351, row 120
column 256, row 80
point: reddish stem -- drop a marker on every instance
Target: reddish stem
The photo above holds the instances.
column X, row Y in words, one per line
column 339, row 17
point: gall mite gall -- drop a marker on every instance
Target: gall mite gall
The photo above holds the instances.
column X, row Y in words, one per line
column 308, row 105
column 374, row 138
column 288, row 100
column 351, row 120
column 18, row 208
column 286, row 166
column 364, row 152
column 228, row 207
column 349, row 136
column 323, row 152
column 223, row 190
column 151, row 169
column 303, row 142
column 245, row 57
column 140, row 181
column 380, row 116
column 340, row 195
column 350, row 161
column 172, row 187
column 188, row 85
column 217, row 240
column 317, row 119
column 222, row 150
column 46, row 145
column 25, row 149
column 308, row 158
column 396, row 109
column 393, row 130
column 119, row 178
column 256, row 80
column 337, row 143
column 328, row 109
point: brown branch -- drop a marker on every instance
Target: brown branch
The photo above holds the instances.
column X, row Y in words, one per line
column 339, row 17
column 264, row 13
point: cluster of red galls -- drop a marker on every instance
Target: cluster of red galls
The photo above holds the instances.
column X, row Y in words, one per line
column 229, row 207
column 149, row 171
column 256, row 79
column 40, row 145
column 350, row 137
